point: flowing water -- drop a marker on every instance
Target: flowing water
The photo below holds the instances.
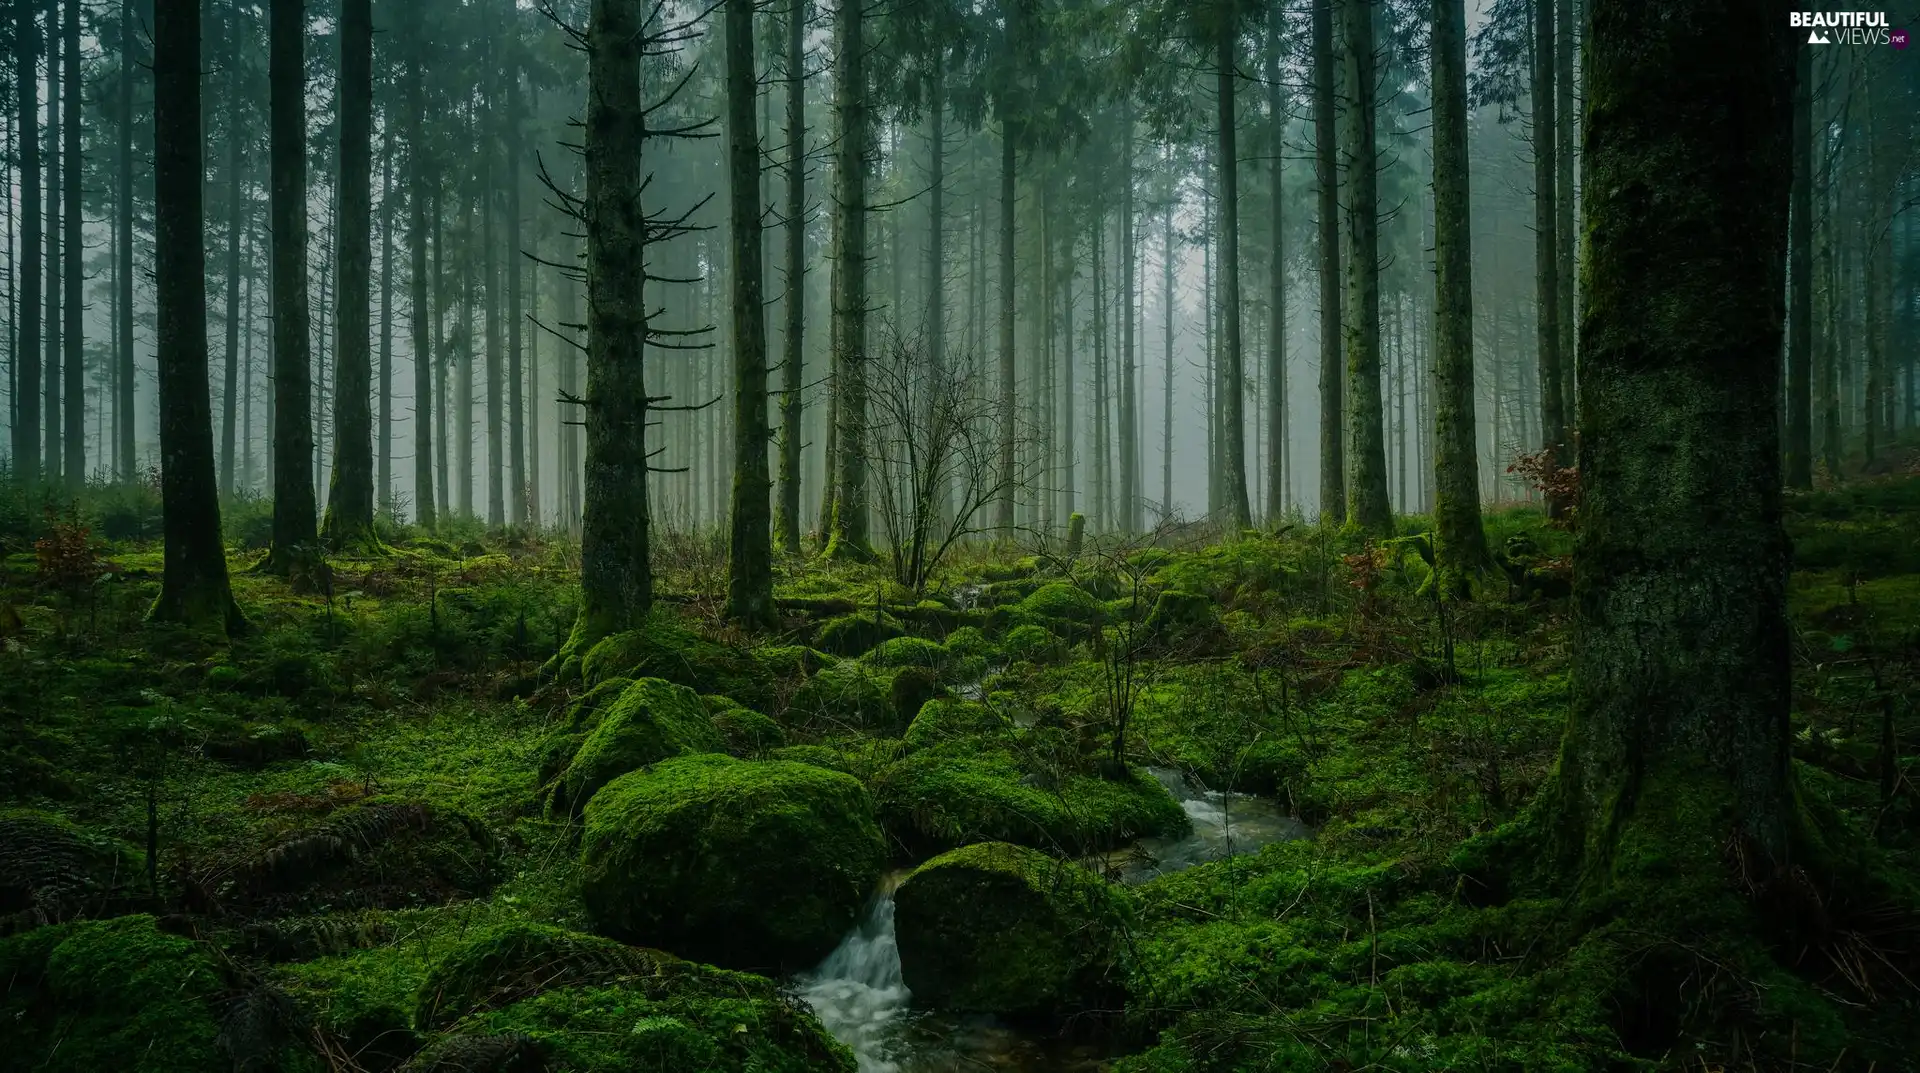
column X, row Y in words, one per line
column 862, row 999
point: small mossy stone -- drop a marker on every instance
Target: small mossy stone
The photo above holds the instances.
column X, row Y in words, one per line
column 848, row 695
column 363, row 999
column 857, row 633
column 912, row 688
column 748, row 864
column 909, row 652
column 584, row 713
column 1060, row 599
column 506, row 963
column 662, row 648
column 746, row 732
column 52, row 870
column 1002, row 929
column 1031, row 643
column 794, row 662
column 114, row 994
column 968, row 642
column 652, row 720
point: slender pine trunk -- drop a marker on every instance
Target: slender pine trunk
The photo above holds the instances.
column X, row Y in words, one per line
column 294, row 522
column 349, row 517
column 26, row 351
column 236, row 201
column 75, row 396
column 1276, row 282
column 1368, row 508
column 1333, row 467
column 1233, row 379
column 794, row 304
column 750, row 548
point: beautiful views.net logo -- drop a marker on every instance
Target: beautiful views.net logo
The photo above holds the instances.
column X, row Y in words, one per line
column 1847, row 28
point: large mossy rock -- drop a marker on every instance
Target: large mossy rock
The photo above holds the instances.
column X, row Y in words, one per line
column 1002, row 929
column 599, row 1006
column 114, row 994
column 383, row 853
column 1062, row 600
column 52, row 870
column 970, row 789
column 746, row 733
column 652, row 720
column 747, row 864
column 848, row 696
column 948, row 719
column 662, row 648
column 857, row 633
column 1182, row 620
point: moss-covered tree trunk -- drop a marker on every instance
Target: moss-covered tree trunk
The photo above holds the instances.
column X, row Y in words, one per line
column 349, row 519
column 847, row 537
column 616, row 579
column 1333, row 466
column 1681, row 669
column 421, row 320
column 1233, row 380
column 750, row 550
column 786, row 521
column 194, row 590
column 294, row 524
column 1368, row 508
column 26, row 370
column 1460, row 546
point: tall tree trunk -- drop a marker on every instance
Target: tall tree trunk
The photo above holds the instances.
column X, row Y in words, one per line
column 1460, row 545
column 1553, row 413
column 53, row 414
column 293, row 507
column 750, row 549
column 1276, row 283
column 1799, row 448
column 1367, row 506
column 1333, row 389
column 936, row 282
column 194, row 590
column 616, row 580
column 516, row 401
column 75, row 396
column 1678, row 733
column 794, row 304
column 349, row 518
column 1130, row 514
column 26, row 361
column 383, row 480
column 1233, row 379
column 848, row 536
column 1003, row 516
column 1166, row 375
column 236, row 201
column 438, row 355
column 1566, row 118
column 496, row 389
column 123, row 251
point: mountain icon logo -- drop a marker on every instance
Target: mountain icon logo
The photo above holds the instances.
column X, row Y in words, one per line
column 1818, row 38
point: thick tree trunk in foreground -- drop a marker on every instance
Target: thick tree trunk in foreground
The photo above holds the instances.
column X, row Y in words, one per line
column 750, row 549
column 1799, row 446
column 1460, row 546
column 794, row 304
column 193, row 585
column 1681, row 671
column 616, row 580
column 294, row 525
column 1368, row 508
column 1333, row 466
column 349, row 520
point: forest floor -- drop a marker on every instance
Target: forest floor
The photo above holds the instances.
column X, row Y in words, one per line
column 277, row 853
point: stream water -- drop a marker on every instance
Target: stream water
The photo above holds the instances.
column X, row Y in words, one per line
column 862, row 999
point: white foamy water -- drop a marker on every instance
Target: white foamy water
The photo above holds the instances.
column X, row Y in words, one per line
column 1225, row 824
column 858, row 992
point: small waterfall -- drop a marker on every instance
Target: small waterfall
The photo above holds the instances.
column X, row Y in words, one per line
column 1224, row 824
column 858, row 992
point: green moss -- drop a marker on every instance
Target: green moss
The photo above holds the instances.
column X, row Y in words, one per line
column 946, row 718
column 968, row 642
column 909, row 652
column 742, row 863
column 851, row 635
column 51, row 869
column 997, row 928
column 111, row 994
column 793, row 662
column 860, row 757
column 1180, row 619
column 746, row 732
column 584, row 713
column 624, row 1029
column 364, row 999
column 664, row 649
column 1032, row 643
column 651, row 721
column 850, row 695
column 964, row 790
column 1062, row 600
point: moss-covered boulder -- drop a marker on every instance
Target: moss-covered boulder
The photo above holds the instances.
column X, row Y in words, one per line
column 114, row 994
column 856, row 755
column 911, row 689
column 969, row 790
column 857, row 633
column 51, row 870
column 662, row 648
column 585, row 712
column 594, row 1004
column 996, row 928
column 909, row 652
column 652, row 720
column 745, row 732
column 1062, row 600
column 363, row 999
column 968, row 642
column 747, row 864
column 1181, row 618
column 382, row 853
column 848, row 696
column 947, row 718
column 1032, row 643
column 793, row 662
